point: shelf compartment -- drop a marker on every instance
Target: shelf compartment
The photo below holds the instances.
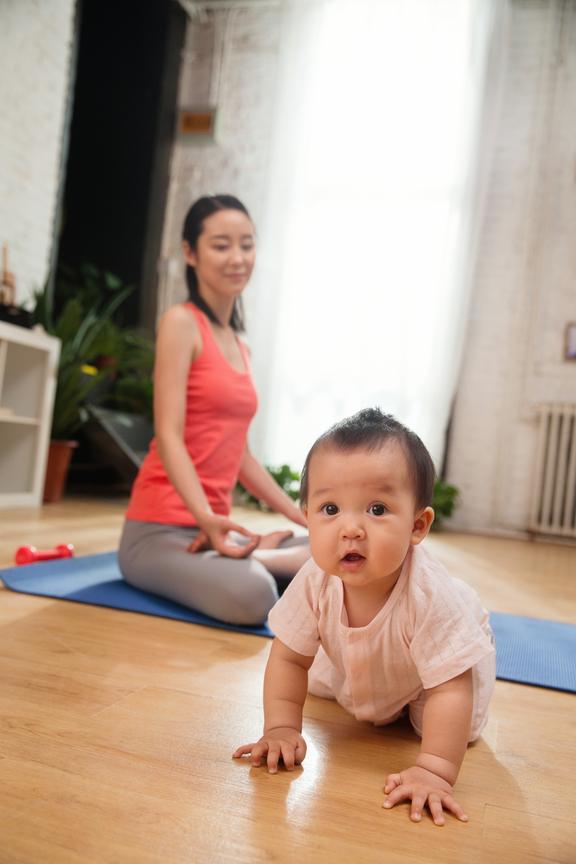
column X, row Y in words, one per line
column 18, row 447
column 28, row 369
column 25, row 372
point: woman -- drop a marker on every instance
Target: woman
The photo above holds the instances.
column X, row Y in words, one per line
column 178, row 540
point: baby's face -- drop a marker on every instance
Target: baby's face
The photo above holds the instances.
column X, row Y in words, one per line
column 361, row 514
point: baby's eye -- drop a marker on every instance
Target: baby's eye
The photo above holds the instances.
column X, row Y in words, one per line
column 377, row 509
column 329, row 509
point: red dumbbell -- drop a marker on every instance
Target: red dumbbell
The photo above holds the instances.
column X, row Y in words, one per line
column 29, row 554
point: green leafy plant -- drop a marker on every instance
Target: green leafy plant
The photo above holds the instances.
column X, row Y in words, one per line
column 95, row 350
column 86, row 283
column 284, row 475
column 443, row 501
column 131, row 387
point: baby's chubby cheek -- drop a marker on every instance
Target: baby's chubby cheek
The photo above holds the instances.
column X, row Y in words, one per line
column 324, row 554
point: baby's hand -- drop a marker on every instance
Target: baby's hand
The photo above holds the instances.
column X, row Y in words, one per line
column 280, row 742
column 422, row 787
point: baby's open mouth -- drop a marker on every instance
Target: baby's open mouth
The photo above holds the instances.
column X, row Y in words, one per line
column 353, row 556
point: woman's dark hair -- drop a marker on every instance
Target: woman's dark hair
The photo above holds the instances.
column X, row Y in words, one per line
column 370, row 429
column 193, row 227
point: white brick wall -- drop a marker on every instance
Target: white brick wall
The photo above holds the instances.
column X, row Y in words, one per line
column 35, row 44
column 525, row 278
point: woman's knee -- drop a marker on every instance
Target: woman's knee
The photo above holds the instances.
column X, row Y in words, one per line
column 251, row 599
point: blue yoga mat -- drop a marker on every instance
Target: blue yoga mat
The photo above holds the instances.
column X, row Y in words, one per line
column 96, row 579
column 535, row 651
column 528, row 650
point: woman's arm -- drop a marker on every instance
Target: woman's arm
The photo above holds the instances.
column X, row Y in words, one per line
column 285, row 687
column 177, row 344
column 256, row 479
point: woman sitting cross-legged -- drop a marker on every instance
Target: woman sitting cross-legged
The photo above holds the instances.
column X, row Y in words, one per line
column 178, row 539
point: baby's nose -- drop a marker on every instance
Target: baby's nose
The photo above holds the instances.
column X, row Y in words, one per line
column 353, row 529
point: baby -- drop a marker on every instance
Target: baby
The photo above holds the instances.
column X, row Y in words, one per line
column 373, row 620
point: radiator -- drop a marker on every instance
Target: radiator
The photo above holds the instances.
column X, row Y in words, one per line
column 554, row 501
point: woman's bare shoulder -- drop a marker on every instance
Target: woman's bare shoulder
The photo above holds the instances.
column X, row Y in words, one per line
column 178, row 325
column 179, row 320
column 179, row 315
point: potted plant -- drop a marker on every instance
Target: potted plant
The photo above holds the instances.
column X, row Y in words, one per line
column 444, row 502
column 85, row 328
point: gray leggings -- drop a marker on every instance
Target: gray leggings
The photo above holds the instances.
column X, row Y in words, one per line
column 153, row 557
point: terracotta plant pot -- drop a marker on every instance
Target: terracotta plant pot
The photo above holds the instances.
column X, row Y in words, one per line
column 59, row 455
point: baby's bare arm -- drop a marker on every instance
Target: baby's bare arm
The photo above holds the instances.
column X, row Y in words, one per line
column 446, row 727
column 445, row 732
column 285, row 688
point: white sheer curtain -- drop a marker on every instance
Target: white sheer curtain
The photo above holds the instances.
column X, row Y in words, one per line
column 361, row 291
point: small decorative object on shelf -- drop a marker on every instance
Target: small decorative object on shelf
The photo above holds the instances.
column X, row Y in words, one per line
column 8, row 311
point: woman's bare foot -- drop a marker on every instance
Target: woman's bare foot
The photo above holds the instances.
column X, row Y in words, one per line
column 274, row 539
column 285, row 561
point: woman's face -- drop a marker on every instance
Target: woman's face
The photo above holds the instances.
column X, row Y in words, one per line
column 224, row 255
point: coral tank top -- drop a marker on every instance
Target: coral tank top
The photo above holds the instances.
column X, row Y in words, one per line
column 220, row 403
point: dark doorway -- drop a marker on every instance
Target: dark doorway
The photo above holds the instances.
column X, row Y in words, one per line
column 121, row 134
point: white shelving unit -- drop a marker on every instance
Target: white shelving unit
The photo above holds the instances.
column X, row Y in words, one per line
column 28, row 367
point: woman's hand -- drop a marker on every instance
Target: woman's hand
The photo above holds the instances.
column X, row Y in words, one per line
column 422, row 787
column 214, row 532
column 283, row 742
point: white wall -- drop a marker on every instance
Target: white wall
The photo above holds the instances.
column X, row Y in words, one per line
column 524, row 287
column 524, row 280
column 229, row 62
column 35, row 48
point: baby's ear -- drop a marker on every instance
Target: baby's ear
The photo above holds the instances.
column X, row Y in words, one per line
column 422, row 523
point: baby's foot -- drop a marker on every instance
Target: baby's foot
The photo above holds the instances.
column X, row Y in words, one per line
column 274, row 539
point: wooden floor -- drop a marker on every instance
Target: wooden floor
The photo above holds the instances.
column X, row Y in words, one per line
column 116, row 732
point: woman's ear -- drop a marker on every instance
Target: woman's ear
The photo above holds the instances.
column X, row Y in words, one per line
column 189, row 254
column 422, row 524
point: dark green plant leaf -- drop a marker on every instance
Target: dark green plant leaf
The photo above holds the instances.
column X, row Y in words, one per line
column 86, row 301
column 285, row 477
column 444, row 501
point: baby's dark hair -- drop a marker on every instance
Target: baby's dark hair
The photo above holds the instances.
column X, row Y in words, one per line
column 370, row 429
